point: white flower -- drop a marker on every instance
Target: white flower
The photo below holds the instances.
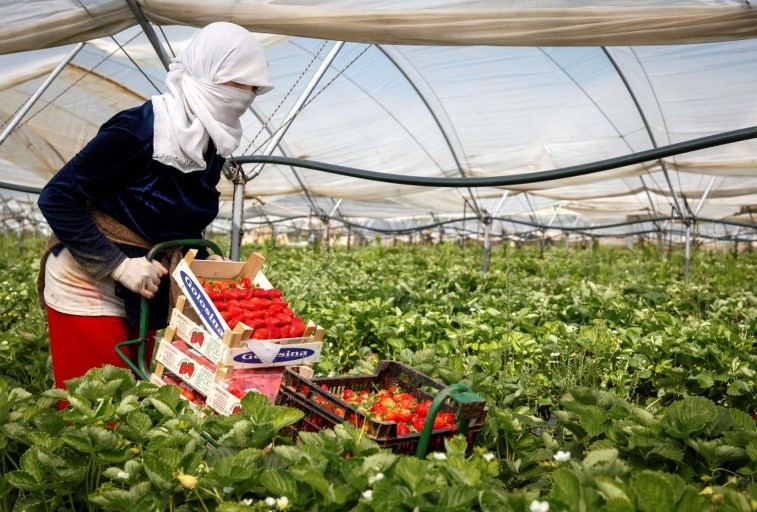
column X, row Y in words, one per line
column 282, row 502
column 270, row 501
column 122, row 474
column 488, row 457
column 561, row 456
column 228, row 490
column 539, row 506
column 554, row 354
column 439, row 456
column 247, row 502
column 5, row 342
column 368, row 494
column 373, row 479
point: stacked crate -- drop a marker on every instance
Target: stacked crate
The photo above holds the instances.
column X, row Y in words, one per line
column 216, row 365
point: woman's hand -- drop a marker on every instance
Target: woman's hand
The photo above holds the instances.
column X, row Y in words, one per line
column 140, row 275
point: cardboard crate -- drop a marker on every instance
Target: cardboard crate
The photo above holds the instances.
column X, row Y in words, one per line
column 187, row 274
column 221, row 386
column 237, row 350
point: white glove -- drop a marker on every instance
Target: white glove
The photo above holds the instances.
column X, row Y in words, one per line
column 140, row 275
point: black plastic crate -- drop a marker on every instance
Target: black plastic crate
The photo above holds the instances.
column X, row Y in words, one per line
column 305, row 394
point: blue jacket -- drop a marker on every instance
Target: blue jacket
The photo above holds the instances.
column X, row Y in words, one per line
column 116, row 174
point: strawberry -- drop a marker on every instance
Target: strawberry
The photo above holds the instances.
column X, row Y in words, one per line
column 423, row 407
column 297, row 328
column 403, row 429
column 260, row 334
column 257, row 323
column 403, row 415
column 418, row 422
column 259, row 303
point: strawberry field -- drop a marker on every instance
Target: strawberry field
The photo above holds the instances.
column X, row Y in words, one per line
column 611, row 382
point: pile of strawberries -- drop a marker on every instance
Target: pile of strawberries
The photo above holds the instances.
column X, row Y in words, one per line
column 389, row 404
column 263, row 310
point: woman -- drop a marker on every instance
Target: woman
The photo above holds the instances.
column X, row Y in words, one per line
column 148, row 176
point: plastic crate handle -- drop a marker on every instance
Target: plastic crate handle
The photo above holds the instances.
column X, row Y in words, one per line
column 141, row 370
column 458, row 392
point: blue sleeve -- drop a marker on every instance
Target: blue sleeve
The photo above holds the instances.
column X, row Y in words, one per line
column 100, row 168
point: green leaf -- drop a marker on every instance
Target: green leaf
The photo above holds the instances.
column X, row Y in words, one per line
column 284, row 416
column 691, row 501
column 566, row 486
column 378, row 462
column 653, row 492
column 139, row 424
column 411, row 471
column 689, row 416
column 160, row 472
column 604, row 462
column 136, row 499
column 389, row 496
column 612, row 489
column 25, row 481
column 279, row 483
column 458, row 497
column 717, row 453
column 78, row 440
column 162, row 407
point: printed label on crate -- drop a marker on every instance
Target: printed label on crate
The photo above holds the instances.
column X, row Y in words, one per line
column 224, row 402
column 209, row 315
column 264, row 353
column 197, row 337
column 186, row 368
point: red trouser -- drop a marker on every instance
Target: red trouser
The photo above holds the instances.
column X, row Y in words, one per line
column 80, row 343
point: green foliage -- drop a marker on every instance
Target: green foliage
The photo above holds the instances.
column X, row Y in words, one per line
column 606, row 354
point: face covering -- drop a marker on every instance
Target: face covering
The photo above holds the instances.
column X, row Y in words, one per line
column 197, row 108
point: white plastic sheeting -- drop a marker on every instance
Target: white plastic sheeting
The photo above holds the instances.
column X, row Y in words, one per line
column 490, row 88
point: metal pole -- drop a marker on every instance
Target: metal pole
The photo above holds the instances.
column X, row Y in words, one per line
column 687, row 265
column 688, row 253
column 487, row 242
column 149, row 32
column 487, row 220
column 237, row 210
column 40, row 90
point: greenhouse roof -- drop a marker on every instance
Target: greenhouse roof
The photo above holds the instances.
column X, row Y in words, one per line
column 431, row 88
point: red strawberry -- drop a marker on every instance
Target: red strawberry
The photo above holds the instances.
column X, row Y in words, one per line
column 402, row 429
column 422, row 408
column 260, row 334
column 297, row 328
column 418, row 422
column 259, row 303
column 190, row 369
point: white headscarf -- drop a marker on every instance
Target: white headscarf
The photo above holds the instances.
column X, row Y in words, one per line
column 196, row 107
